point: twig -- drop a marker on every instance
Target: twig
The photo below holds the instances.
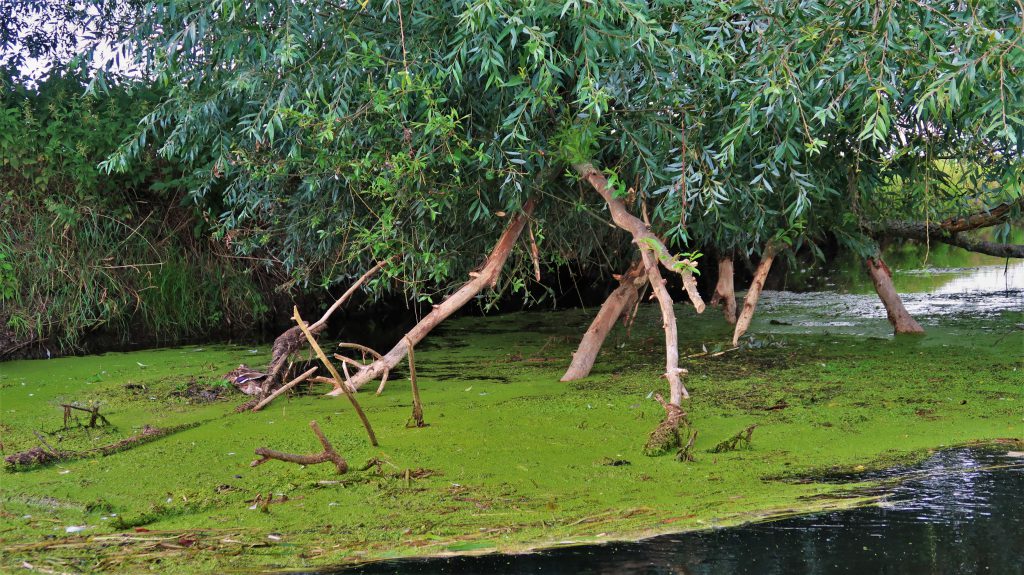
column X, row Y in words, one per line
column 285, row 388
column 328, row 454
column 337, row 377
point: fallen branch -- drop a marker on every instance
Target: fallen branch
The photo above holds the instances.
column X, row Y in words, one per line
column 337, row 377
column 485, row 277
column 38, row 456
column 284, row 388
column 328, row 454
column 617, row 305
column 291, row 340
column 417, row 408
column 94, row 414
column 653, row 252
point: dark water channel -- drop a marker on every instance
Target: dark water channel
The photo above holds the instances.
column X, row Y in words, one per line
column 958, row 512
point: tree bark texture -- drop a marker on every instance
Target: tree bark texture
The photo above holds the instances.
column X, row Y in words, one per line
column 754, row 293
column 725, row 291
column 899, row 317
column 486, row 277
column 653, row 252
column 619, row 302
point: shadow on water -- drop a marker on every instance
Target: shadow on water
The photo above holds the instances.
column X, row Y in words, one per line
column 958, row 512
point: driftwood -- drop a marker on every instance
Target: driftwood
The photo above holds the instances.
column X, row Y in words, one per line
column 266, row 401
column 417, row 408
column 328, row 454
column 338, row 383
column 45, row 455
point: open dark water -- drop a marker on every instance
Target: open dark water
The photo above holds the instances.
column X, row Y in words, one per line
column 961, row 511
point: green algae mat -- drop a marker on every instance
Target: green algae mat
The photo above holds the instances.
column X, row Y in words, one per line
column 511, row 459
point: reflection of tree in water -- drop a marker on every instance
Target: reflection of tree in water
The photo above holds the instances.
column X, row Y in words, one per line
column 951, row 516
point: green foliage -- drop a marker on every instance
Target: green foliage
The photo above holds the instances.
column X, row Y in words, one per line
column 82, row 250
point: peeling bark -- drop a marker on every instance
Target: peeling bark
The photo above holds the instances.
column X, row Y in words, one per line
column 485, row 277
column 617, row 305
column 653, row 252
column 899, row 317
column 725, row 291
column 754, row 293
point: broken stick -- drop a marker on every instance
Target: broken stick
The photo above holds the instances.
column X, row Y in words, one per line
column 284, row 388
column 338, row 382
column 328, row 454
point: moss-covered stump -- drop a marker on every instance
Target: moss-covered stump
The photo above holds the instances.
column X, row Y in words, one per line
column 513, row 459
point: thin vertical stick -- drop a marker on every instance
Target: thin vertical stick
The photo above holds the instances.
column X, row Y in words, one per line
column 417, row 407
column 337, row 377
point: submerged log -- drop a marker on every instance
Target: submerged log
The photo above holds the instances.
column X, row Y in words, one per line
column 618, row 304
column 899, row 317
column 328, row 454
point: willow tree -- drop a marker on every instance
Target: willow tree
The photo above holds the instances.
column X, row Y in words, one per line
column 324, row 136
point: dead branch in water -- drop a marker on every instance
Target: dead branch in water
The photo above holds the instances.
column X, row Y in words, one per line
column 417, row 408
column 284, row 388
column 328, row 454
column 338, row 383
column 43, row 456
column 291, row 340
column 735, row 442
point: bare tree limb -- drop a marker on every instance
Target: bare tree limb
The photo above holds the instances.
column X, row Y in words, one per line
column 266, row 401
column 486, row 276
column 338, row 382
column 328, row 454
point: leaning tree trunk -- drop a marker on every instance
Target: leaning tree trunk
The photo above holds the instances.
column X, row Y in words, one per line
column 653, row 252
column 725, row 292
column 901, row 320
column 486, row 276
column 754, row 293
column 618, row 304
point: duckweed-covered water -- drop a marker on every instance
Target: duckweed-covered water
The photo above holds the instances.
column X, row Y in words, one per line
column 958, row 512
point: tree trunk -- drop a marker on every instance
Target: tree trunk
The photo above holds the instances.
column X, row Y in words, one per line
column 486, row 276
column 668, row 318
column 725, row 292
column 750, row 300
column 901, row 320
column 653, row 251
column 618, row 303
column 642, row 236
